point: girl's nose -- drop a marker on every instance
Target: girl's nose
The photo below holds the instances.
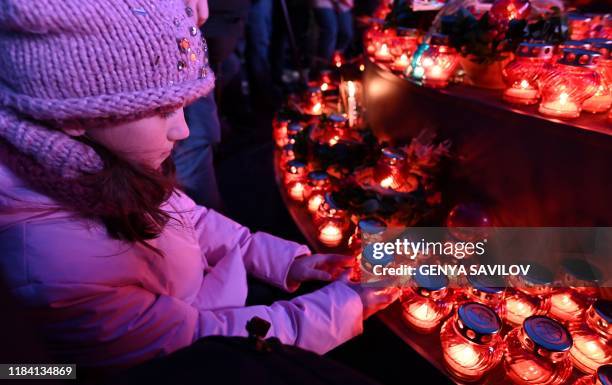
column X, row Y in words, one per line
column 178, row 127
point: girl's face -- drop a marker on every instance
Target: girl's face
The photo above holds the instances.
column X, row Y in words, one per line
column 146, row 142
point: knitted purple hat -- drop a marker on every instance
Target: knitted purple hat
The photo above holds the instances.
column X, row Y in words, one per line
column 63, row 60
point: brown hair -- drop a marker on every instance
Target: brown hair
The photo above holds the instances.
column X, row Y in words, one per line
column 126, row 198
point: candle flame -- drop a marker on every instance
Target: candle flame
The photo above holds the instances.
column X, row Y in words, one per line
column 563, row 98
column 361, row 67
column 333, row 141
column 384, row 50
column 464, row 355
column 317, row 108
column 404, row 59
column 314, row 202
column 387, row 182
column 297, row 191
column 436, row 71
column 324, row 87
column 351, row 88
column 524, row 84
column 330, row 234
column 427, row 62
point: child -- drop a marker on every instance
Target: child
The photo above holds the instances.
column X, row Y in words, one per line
column 117, row 264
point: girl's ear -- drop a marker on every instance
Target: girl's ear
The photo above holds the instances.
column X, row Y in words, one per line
column 74, row 131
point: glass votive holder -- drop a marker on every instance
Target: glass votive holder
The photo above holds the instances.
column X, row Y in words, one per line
column 603, row 376
column 487, row 290
column 569, row 83
column 528, row 295
column 318, row 185
column 579, row 26
column 439, row 61
column 593, row 338
column 576, row 291
column 426, row 302
column 521, row 74
column 388, row 169
column 471, row 341
column 313, row 101
column 537, row 352
column 280, row 130
column 602, row 100
column 332, row 221
column 295, row 179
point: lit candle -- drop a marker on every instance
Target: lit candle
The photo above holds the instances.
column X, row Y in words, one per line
column 401, row 63
column 383, row 54
column 421, row 314
column 296, row 191
column 600, row 102
column 563, row 307
column 387, row 182
column 352, row 103
column 330, row 234
column 462, row 355
column 314, row 202
column 589, row 352
column 324, row 87
column 562, row 107
column 316, row 109
column 518, row 308
column 529, row 372
column 521, row 92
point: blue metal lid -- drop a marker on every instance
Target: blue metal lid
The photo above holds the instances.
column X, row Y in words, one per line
column 381, row 258
column 318, row 176
column 548, row 334
column 492, row 284
column 538, row 275
column 294, row 128
column 581, row 269
column 603, row 308
column 331, row 203
column 604, row 374
column 430, row 282
column 480, row 320
column 297, row 164
column 372, row 226
column 337, row 118
column 393, row 153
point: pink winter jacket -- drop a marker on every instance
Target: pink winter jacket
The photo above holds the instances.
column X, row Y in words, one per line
column 107, row 303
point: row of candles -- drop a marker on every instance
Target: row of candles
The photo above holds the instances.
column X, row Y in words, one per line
column 564, row 79
column 534, row 331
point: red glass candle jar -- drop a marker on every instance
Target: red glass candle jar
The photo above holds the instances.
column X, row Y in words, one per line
column 426, row 303
column 368, row 230
column 593, row 338
column 318, row 185
column 471, row 341
column 332, row 222
column 576, row 292
column 388, row 170
column 529, row 295
column 439, row 61
column 569, row 83
column 295, row 179
column 405, row 42
column 280, row 130
column 537, row 352
column 330, row 131
column 505, row 10
column 487, row 290
column 287, row 153
column 521, row 74
column 579, row 26
column 602, row 100
column 313, row 101
column 603, row 376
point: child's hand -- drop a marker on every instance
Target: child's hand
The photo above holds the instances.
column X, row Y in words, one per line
column 373, row 299
column 318, row 267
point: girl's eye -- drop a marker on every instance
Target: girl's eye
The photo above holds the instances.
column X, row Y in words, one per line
column 167, row 115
